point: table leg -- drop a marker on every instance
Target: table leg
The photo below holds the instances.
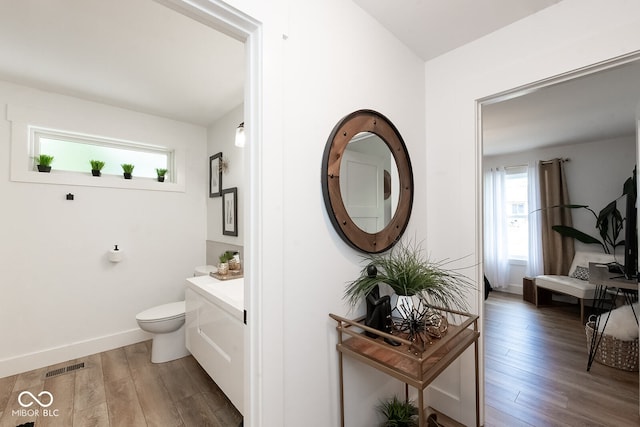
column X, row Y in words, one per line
column 341, row 390
column 421, row 417
column 596, row 337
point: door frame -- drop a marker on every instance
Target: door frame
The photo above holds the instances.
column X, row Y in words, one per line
column 244, row 28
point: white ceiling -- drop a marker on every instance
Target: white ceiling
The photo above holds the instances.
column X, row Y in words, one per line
column 432, row 27
column 597, row 107
column 140, row 55
column 135, row 54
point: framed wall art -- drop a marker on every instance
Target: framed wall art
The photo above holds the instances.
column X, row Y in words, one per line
column 230, row 211
column 215, row 175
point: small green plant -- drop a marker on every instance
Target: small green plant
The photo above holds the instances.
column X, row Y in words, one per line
column 408, row 271
column 161, row 172
column 44, row 160
column 399, row 413
column 127, row 168
column 225, row 256
column 96, row 165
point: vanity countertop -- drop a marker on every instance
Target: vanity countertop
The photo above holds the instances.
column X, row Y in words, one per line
column 229, row 294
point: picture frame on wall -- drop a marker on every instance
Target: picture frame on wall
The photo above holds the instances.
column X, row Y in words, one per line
column 230, row 211
column 215, row 175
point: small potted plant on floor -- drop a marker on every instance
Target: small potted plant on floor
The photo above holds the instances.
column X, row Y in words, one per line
column 161, row 173
column 127, row 170
column 96, row 167
column 398, row 413
column 44, row 162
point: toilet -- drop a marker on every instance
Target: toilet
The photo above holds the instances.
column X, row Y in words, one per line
column 166, row 323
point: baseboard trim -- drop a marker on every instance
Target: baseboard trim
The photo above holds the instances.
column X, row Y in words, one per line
column 51, row 356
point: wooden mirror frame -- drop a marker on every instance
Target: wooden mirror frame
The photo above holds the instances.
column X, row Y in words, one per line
column 348, row 127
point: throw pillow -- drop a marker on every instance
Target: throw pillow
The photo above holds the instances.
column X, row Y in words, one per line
column 581, row 273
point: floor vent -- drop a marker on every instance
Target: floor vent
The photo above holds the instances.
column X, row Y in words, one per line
column 61, row 371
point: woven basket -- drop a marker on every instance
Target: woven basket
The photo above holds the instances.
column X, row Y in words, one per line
column 614, row 352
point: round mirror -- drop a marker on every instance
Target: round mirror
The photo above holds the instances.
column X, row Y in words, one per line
column 367, row 181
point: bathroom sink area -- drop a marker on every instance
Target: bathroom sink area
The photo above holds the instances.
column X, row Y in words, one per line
column 228, row 293
column 215, row 331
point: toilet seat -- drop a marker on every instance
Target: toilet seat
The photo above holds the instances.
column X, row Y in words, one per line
column 161, row 313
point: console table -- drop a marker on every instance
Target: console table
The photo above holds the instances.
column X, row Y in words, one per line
column 402, row 362
column 606, row 283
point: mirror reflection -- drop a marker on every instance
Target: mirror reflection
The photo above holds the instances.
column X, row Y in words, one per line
column 369, row 182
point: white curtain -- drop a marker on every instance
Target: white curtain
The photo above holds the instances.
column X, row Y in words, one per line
column 534, row 263
column 496, row 263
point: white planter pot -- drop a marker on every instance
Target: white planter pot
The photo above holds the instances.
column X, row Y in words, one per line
column 403, row 305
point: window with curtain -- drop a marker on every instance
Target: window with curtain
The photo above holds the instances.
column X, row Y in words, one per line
column 516, row 212
column 511, row 225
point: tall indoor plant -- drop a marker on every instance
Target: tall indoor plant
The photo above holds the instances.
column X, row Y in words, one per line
column 609, row 221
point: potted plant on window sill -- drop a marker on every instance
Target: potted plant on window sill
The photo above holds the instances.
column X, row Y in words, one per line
column 44, row 162
column 161, row 173
column 96, row 167
column 127, row 170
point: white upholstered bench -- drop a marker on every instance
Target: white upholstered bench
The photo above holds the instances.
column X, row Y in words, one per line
column 575, row 284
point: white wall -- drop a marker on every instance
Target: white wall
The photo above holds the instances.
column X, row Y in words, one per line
column 221, row 138
column 568, row 35
column 337, row 60
column 595, row 174
column 61, row 297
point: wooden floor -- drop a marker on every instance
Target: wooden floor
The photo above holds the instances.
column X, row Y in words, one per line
column 120, row 387
column 535, row 375
column 535, row 370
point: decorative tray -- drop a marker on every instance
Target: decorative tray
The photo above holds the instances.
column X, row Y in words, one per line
column 233, row 274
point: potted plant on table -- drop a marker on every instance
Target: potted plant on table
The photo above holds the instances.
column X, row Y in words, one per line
column 161, row 173
column 223, row 266
column 127, row 170
column 96, row 167
column 44, row 162
column 420, row 287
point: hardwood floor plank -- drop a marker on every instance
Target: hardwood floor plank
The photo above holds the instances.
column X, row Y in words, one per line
column 13, row 413
column 157, row 405
column 177, row 380
column 89, row 384
column 62, row 388
column 93, row 416
column 196, row 412
column 122, row 403
column 114, row 365
column 6, row 387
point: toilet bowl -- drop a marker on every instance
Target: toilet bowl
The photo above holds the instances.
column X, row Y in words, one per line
column 166, row 322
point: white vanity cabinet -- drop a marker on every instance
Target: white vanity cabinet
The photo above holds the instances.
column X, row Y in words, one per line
column 215, row 332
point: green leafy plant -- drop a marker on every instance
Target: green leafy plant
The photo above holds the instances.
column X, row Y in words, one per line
column 44, row 160
column 127, row 168
column 226, row 256
column 609, row 221
column 161, row 172
column 96, row 165
column 398, row 413
column 408, row 271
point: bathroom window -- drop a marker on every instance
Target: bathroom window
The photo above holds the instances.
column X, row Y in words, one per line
column 73, row 152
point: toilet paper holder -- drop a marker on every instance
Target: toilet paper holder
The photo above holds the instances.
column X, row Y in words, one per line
column 115, row 254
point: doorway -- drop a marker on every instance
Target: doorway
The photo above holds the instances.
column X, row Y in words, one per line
column 589, row 112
